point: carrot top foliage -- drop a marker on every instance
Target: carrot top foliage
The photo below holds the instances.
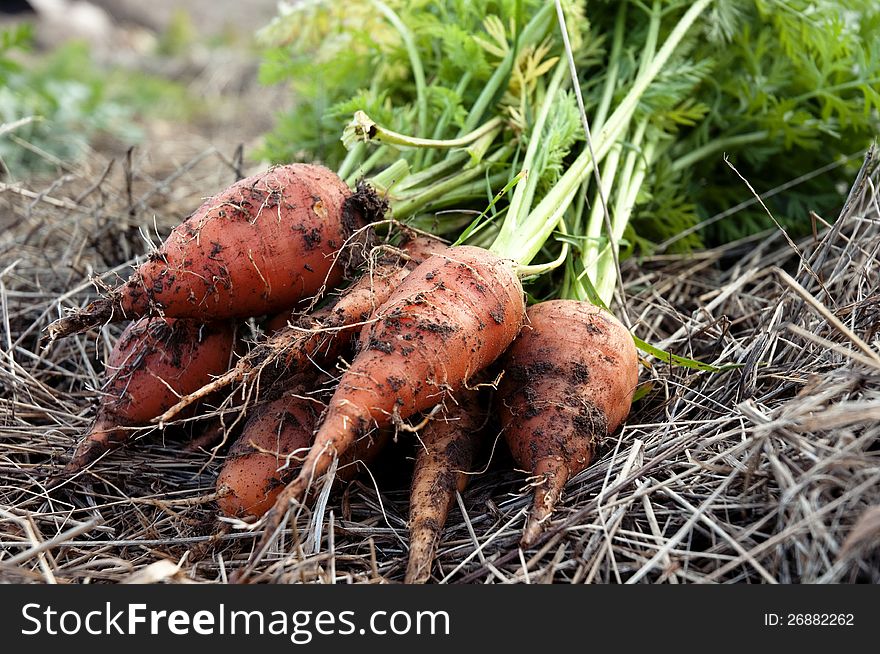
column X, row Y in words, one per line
column 782, row 88
column 340, row 58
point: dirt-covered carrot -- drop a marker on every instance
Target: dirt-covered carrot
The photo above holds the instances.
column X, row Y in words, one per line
column 322, row 335
column 569, row 379
column 261, row 245
column 154, row 361
column 276, row 432
column 448, row 320
column 445, row 455
column 274, row 440
column 357, row 302
column 411, row 356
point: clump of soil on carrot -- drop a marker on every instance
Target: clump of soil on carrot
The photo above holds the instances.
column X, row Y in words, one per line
column 760, row 473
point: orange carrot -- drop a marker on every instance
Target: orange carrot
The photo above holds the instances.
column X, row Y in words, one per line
column 263, row 244
column 445, row 455
column 449, row 319
column 322, row 335
column 154, row 361
column 274, row 440
column 569, row 381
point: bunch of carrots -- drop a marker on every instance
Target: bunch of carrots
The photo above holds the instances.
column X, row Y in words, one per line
column 435, row 333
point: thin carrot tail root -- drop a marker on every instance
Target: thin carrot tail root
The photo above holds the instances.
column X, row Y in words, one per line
column 93, row 314
column 340, row 430
column 295, row 491
column 547, row 493
column 211, row 434
column 424, row 537
column 103, row 438
column 223, row 381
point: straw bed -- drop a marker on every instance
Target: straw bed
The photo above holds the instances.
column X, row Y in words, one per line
column 765, row 473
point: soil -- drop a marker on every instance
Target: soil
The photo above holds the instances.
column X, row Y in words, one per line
column 217, row 58
column 210, row 17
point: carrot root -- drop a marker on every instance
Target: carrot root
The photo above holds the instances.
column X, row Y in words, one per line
column 424, row 537
column 548, row 491
column 452, row 317
column 569, row 382
column 327, row 330
column 93, row 314
column 444, row 457
column 104, row 437
column 221, row 382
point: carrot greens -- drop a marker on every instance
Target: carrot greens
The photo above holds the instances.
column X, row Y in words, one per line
column 472, row 95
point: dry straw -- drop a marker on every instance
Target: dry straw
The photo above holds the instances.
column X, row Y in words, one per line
column 766, row 473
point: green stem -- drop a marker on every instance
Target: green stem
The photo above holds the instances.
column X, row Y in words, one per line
column 541, row 268
column 362, row 128
column 533, row 245
column 522, row 196
column 445, row 118
column 449, row 222
column 565, row 189
column 617, row 122
column 590, row 254
column 385, row 180
column 456, row 160
column 485, row 237
column 414, row 60
column 596, row 221
column 469, row 191
column 533, row 32
column 650, row 46
column 614, row 221
column 481, row 221
column 404, row 208
column 569, row 288
column 352, row 158
column 632, row 177
column 715, row 146
column 612, row 70
column 831, row 90
column 367, row 165
column 478, row 149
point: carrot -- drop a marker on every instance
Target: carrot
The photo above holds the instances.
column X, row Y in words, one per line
column 263, row 244
column 449, row 319
column 323, row 334
column 210, row 432
column 154, row 361
column 568, row 383
column 445, row 454
column 358, row 301
column 267, row 453
column 273, row 432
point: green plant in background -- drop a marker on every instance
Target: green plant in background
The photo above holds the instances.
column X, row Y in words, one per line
column 67, row 106
column 71, row 101
column 339, row 58
column 790, row 87
column 178, row 36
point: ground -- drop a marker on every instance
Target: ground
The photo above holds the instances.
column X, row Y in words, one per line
column 212, row 17
column 213, row 52
column 765, row 472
